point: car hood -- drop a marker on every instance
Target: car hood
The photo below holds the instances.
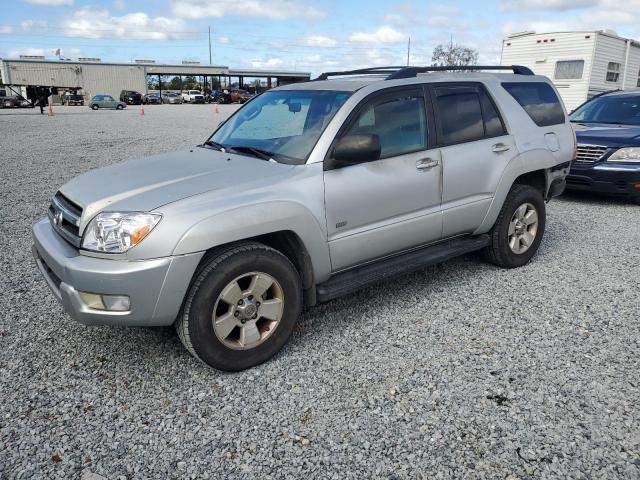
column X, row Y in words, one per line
column 148, row 183
column 607, row 135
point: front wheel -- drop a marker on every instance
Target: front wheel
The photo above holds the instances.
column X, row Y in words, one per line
column 241, row 307
column 518, row 231
column 119, row 107
column 94, row 107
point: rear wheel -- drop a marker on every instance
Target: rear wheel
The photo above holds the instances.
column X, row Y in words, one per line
column 241, row 307
column 518, row 231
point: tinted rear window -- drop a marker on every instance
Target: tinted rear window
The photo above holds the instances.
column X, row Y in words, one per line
column 460, row 115
column 466, row 113
column 539, row 100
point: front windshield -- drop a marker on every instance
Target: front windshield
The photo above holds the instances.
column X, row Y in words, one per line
column 284, row 124
column 617, row 109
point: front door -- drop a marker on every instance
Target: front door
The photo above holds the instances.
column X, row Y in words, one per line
column 391, row 203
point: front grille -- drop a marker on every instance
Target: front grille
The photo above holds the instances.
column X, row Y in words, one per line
column 590, row 153
column 64, row 216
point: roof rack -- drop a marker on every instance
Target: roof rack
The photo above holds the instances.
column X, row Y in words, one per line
column 395, row 72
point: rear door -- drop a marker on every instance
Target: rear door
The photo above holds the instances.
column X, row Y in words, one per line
column 391, row 203
column 475, row 147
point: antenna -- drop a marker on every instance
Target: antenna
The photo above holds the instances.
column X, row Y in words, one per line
column 408, row 51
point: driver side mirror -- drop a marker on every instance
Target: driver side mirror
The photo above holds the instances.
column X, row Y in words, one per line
column 355, row 149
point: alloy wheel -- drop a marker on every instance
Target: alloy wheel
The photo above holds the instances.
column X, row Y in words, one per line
column 523, row 228
column 248, row 310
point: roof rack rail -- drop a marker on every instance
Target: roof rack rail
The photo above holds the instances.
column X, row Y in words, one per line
column 395, row 72
column 361, row 71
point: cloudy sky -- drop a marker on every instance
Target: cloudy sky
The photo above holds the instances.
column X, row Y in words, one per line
column 304, row 35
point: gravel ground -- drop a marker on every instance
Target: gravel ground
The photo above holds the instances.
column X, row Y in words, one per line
column 462, row 370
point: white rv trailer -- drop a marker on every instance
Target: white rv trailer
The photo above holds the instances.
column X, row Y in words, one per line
column 580, row 64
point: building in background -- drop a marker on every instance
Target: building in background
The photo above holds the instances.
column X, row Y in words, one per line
column 580, row 64
column 91, row 76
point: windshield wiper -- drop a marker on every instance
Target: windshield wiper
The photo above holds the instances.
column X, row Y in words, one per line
column 216, row 145
column 256, row 152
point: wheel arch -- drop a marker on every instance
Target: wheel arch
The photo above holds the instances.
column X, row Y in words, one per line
column 289, row 244
column 531, row 168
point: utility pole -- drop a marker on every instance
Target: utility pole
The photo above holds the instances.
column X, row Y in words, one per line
column 408, row 51
column 209, row 44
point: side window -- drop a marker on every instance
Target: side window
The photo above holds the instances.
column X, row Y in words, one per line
column 613, row 72
column 400, row 123
column 459, row 114
column 539, row 100
column 569, row 69
column 638, row 82
column 493, row 126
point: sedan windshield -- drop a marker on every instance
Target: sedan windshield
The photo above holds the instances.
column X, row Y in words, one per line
column 617, row 109
column 281, row 124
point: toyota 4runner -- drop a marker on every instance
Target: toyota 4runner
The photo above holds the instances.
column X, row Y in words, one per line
column 309, row 192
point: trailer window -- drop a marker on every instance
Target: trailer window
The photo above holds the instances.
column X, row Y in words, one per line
column 569, row 69
column 638, row 82
column 539, row 100
column 613, row 72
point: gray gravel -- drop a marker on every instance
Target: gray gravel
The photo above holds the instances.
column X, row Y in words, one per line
column 461, row 370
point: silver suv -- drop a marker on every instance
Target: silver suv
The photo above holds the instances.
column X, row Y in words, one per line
column 307, row 193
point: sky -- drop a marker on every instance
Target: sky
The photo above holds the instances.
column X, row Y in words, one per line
column 305, row 35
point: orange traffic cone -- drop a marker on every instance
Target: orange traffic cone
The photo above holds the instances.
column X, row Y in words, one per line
column 50, row 110
column 217, row 110
column 141, row 109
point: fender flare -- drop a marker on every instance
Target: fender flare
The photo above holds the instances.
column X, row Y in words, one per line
column 255, row 220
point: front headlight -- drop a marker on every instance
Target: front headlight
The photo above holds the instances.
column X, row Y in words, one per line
column 117, row 232
column 629, row 154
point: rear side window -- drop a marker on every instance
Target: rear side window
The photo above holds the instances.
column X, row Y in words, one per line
column 539, row 100
column 466, row 113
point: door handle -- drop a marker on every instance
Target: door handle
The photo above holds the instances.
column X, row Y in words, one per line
column 500, row 147
column 427, row 163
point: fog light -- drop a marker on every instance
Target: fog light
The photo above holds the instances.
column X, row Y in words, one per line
column 112, row 303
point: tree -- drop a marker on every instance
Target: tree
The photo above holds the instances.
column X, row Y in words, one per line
column 453, row 54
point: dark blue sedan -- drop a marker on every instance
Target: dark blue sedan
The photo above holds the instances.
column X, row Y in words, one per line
column 608, row 156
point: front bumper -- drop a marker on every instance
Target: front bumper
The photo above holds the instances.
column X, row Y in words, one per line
column 621, row 179
column 155, row 287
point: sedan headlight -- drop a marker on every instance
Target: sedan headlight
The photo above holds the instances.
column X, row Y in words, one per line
column 117, row 232
column 629, row 154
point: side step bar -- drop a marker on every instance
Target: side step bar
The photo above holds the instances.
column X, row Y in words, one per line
column 353, row 280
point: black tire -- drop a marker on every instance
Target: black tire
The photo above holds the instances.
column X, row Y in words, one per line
column 95, row 107
column 119, row 107
column 499, row 252
column 218, row 269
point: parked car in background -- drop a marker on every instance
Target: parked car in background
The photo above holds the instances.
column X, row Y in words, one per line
column 210, row 95
column 608, row 157
column 193, row 96
column 232, row 95
column 237, row 95
column 130, row 97
column 151, row 98
column 16, row 102
column 172, row 97
column 10, row 102
column 306, row 194
column 71, row 98
column 106, row 101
